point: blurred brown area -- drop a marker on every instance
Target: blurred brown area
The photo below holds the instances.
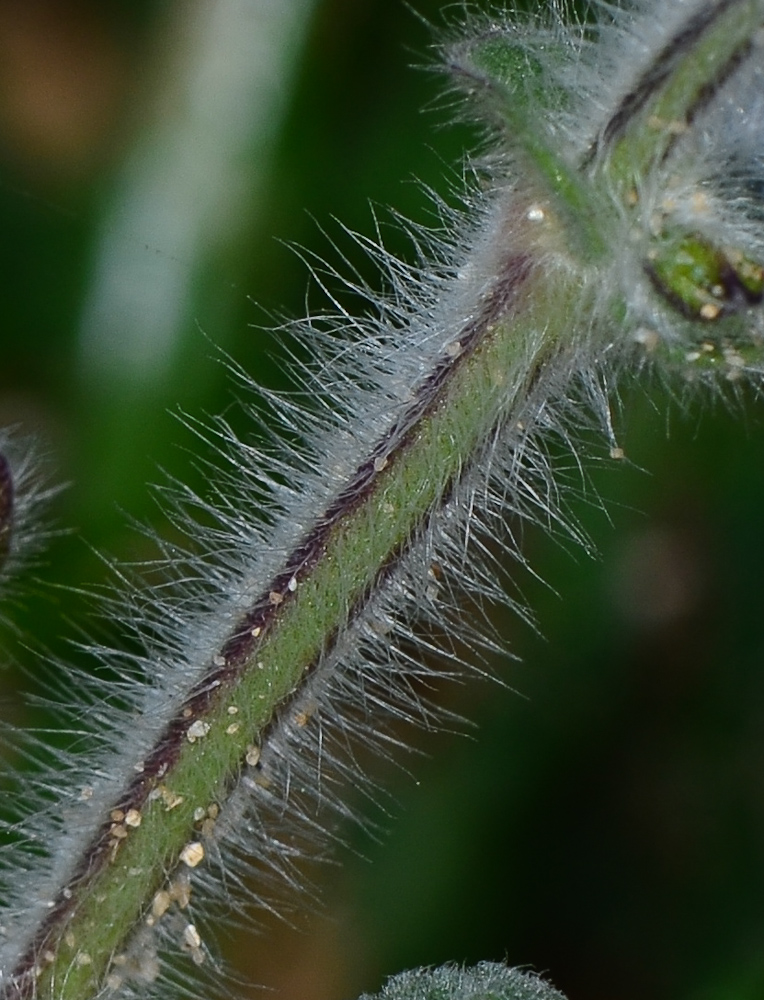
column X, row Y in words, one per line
column 64, row 73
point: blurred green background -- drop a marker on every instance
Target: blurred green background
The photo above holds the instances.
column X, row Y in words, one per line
column 604, row 820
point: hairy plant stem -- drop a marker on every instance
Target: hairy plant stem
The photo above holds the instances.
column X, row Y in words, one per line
column 676, row 86
column 516, row 349
column 495, row 372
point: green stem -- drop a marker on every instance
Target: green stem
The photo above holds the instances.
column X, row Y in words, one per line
column 661, row 105
column 494, row 373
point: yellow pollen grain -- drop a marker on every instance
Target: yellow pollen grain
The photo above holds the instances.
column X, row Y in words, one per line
column 191, row 936
column 170, row 799
column 192, row 854
column 253, row 755
column 133, row 818
column 180, row 892
column 160, row 904
column 675, row 127
column 649, row 339
column 256, row 632
column 233, row 728
column 149, row 967
column 700, row 201
column 197, row 731
column 275, row 597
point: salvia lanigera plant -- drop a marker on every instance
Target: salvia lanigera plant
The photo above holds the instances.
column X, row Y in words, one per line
column 613, row 228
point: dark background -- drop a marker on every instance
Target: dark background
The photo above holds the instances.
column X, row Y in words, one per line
column 604, row 820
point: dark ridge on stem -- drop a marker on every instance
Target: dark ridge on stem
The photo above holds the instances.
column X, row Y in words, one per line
column 654, row 76
column 237, row 650
column 708, row 92
column 734, row 296
column 6, row 509
column 386, row 570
